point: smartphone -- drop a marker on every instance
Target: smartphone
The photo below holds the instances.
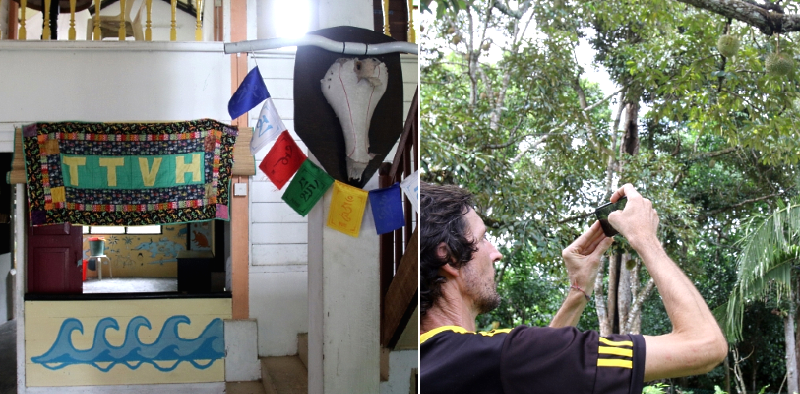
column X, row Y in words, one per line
column 603, row 211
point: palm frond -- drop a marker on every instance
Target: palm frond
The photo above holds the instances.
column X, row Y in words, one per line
column 764, row 265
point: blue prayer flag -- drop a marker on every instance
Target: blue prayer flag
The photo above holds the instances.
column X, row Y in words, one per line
column 251, row 92
column 387, row 208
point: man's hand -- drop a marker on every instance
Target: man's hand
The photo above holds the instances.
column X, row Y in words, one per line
column 638, row 222
column 582, row 257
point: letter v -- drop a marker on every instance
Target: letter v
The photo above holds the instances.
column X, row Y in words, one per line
column 149, row 174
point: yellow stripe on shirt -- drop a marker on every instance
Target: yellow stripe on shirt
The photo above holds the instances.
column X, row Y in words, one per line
column 616, row 343
column 460, row 330
column 615, row 351
column 424, row 337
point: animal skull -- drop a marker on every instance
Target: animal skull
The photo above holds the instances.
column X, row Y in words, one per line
column 353, row 88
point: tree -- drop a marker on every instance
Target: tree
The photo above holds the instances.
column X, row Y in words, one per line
column 766, row 264
column 509, row 113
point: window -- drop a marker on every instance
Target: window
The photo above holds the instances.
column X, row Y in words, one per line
column 122, row 229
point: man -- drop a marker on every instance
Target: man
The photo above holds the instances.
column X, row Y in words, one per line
column 457, row 284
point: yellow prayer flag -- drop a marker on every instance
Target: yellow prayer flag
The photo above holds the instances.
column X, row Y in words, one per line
column 347, row 208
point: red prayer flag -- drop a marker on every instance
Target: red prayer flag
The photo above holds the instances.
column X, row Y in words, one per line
column 283, row 160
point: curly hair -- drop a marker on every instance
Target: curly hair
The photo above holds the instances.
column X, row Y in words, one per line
column 442, row 221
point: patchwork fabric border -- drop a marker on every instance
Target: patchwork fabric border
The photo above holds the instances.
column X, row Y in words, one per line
column 128, row 174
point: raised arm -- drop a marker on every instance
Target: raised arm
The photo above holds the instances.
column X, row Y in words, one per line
column 696, row 344
column 582, row 259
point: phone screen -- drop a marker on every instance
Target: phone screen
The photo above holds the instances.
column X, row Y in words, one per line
column 603, row 211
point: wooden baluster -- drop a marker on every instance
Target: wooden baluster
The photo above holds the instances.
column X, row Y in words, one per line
column 173, row 32
column 412, row 35
column 122, row 31
column 386, row 29
column 46, row 20
column 72, row 19
column 23, row 33
column 96, row 21
column 148, row 33
column 198, row 32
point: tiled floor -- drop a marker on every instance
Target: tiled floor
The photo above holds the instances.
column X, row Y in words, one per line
column 130, row 285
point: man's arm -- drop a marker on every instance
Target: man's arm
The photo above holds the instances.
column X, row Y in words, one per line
column 696, row 344
column 582, row 259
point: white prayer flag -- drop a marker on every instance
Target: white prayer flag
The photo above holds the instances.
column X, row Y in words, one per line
column 268, row 128
column 410, row 187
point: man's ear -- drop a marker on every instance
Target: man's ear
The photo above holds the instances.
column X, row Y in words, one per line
column 448, row 271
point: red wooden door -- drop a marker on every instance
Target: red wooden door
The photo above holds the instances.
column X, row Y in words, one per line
column 53, row 255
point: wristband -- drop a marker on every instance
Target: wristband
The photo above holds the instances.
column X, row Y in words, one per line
column 576, row 287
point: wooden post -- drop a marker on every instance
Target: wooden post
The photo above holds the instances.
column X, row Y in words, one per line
column 148, row 32
column 173, row 32
column 240, row 218
column 72, row 19
column 46, row 20
column 122, row 32
column 386, row 29
column 412, row 35
column 23, row 33
column 198, row 32
column 13, row 13
column 96, row 21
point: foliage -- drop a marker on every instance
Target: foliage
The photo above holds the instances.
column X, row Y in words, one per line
column 658, row 388
column 522, row 124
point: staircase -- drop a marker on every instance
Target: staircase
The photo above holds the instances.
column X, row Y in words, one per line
column 279, row 375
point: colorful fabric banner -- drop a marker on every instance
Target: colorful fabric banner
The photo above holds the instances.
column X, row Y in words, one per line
column 306, row 188
column 251, row 92
column 347, row 208
column 128, row 173
column 410, row 187
column 387, row 208
column 268, row 127
column 283, row 160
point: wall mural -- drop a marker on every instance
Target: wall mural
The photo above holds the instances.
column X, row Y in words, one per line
column 200, row 238
column 165, row 354
column 121, row 342
column 145, row 255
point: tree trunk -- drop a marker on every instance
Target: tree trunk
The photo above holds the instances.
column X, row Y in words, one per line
column 624, row 295
column 791, row 357
column 600, row 305
column 613, row 292
column 727, row 374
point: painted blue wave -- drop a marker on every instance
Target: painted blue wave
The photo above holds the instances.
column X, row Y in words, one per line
column 165, row 354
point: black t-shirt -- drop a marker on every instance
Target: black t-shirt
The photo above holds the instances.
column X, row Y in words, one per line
column 530, row 360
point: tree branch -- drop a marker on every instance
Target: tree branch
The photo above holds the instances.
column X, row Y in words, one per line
column 739, row 204
column 767, row 19
column 504, row 9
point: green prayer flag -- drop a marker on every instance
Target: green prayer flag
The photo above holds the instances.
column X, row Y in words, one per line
column 307, row 187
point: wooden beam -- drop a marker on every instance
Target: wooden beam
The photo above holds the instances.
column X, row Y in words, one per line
column 401, row 299
column 13, row 24
column 240, row 218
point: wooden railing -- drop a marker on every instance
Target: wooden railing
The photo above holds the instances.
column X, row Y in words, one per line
column 120, row 23
column 398, row 249
column 395, row 18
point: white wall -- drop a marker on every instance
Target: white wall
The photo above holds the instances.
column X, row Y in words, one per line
column 5, row 287
column 278, row 235
column 401, row 364
column 112, row 81
column 4, row 4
